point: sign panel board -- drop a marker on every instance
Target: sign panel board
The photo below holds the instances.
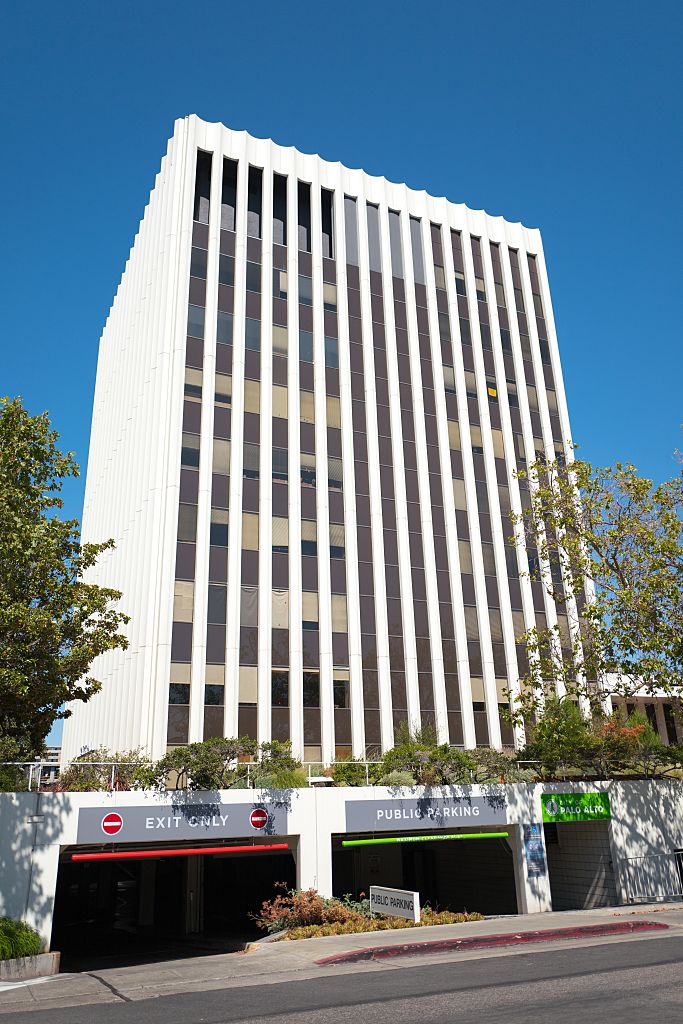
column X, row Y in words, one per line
column 533, row 847
column 575, row 806
column 395, row 902
column 392, row 815
column 169, row 822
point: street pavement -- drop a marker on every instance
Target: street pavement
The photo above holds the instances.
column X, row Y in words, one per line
column 639, row 978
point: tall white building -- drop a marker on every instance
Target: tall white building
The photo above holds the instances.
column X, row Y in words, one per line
column 314, row 388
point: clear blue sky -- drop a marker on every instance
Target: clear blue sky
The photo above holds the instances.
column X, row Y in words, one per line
column 564, row 115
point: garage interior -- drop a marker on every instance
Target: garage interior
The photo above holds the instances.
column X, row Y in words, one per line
column 580, row 865
column 449, row 874
column 124, row 911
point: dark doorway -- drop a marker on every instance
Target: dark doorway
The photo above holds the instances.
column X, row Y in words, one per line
column 468, row 874
column 112, row 913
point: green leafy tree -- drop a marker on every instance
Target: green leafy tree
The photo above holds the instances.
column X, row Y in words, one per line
column 101, row 770
column 53, row 623
column 608, row 545
column 221, row 763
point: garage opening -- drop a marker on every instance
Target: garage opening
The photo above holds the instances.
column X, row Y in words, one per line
column 580, row 865
column 156, row 904
column 450, row 874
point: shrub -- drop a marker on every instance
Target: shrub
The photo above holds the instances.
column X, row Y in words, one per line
column 397, row 778
column 380, row 924
column 353, row 773
column 301, row 908
column 18, row 939
column 92, row 772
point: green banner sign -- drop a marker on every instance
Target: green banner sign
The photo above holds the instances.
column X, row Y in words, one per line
column 575, row 806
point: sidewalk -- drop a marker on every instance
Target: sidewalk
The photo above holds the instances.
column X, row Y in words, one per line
column 267, row 963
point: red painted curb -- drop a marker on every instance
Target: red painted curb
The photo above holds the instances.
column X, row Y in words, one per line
column 489, row 941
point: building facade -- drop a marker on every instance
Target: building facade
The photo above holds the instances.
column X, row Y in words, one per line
column 313, row 391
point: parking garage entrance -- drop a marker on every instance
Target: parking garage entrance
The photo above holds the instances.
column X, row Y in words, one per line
column 425, row 845
column 131, row 902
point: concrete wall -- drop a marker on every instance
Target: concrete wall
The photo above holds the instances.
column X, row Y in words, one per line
column 647, row 818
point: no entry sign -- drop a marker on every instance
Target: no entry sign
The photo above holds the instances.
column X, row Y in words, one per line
column 112, row 823
column 258, row 818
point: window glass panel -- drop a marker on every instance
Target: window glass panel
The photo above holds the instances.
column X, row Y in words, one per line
column 217, row 604
column 280, row 609
column 307, row 407
column 250, row 531
column 280, row 347
column 280, row 689
column 337, row 540
column 471, row 623
column 309, row 608
column 280, row 534
column 449, row 379
column 280, row 464
column 226, row 269
column 224, row 328
column 248, row 684
column 351, row 230
column 454, row 435
column 331, row 352
column 215, row 674
column 460, row 495
column 214, row 696
column 339, row 616
column 189, row 455
column 252, row 396
column 373, row 238
column 333, row 412
column 221, row 456
column 183, row 601
column 250, row 464
column 311, row 689
column 330, row 297
column 198, row 263
column 306, row 346
column 395, row 243
column 218, row 532
column 252, row 335
column 280, row 401
column 193, row 383
column 195, row 321
column 341, row 688
column 465, row 553
column 416, row 246
column 307, row 469
column 223, row 395
column 335, row 476
column 498, row 445
column 180, row 672
column 179, row 693
column 187, row 523
column 279, row 284
column 305, row 290
column 475, row 434
column 249, row 607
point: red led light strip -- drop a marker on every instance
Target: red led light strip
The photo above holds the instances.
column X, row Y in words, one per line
column 185, row 852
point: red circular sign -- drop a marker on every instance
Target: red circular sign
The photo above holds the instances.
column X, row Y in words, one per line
column 258, row 818
column 112, row 824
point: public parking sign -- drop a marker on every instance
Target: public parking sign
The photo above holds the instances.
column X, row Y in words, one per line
column 395, row 902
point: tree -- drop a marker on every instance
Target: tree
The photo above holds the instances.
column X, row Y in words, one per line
column 608, row 546
column 221, row 763
column 53, row 623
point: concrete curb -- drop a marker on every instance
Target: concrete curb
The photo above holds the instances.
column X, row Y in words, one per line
column 490, row 941
column 25, row 968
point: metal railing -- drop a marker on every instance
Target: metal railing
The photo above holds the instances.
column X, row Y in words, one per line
column 653, row 878
column 44, row 775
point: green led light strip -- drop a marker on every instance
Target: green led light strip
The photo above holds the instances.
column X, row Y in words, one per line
column 424, row 839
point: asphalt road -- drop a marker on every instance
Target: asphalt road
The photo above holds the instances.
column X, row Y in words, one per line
column 633, row 982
